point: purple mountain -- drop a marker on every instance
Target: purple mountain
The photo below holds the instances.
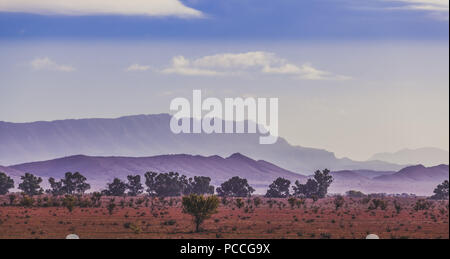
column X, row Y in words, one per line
column 427, row 156
column 100, row 170
column 13, row 173
column 418, row 173
column 419, row 180
column 150, row 135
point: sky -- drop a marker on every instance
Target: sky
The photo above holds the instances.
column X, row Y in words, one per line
column 353, row 77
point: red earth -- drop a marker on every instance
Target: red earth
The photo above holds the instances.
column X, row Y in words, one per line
column 142, row 217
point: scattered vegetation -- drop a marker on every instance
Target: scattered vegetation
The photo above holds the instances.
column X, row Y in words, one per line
column 6, row 183
column 235, row 187
column 441, row 191
column 200, row 208
column 279, row 188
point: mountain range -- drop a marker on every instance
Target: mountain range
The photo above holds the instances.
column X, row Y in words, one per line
column 419, row 179
column 137, row 144
column 100, row 170
column 428, row 156
column 150, row 135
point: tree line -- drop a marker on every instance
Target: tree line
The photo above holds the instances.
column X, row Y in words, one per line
column 173, row 184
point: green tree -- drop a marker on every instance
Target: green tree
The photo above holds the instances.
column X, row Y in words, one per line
column 31, row 185
column 279, row 188
column 441, row 191
column 324, row 180
column 201, row 185
column 200, row 208
column 6, row 183
column 116, row 188
column 314, row 188
column 134, row 185
column 235, row 187
column 166, row 184
column 308, row 190
column 72, row 183
column 75, row 183
column 56, row 187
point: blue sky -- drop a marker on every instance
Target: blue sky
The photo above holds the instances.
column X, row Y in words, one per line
column 238, row 19
column 353, row 77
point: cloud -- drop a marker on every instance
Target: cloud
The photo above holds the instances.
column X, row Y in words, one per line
column 100, row 7
column 438, row 8
column 182, row 66
column 250, row 62
column 137, row 67
column 48, row 64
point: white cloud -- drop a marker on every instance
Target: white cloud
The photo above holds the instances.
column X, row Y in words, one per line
column 239, row 60
column 181, row 66
column 100, row 7
column 137, row 67
column 428, row 4
column 48, row 64
column 439, row 8
column 249, row 62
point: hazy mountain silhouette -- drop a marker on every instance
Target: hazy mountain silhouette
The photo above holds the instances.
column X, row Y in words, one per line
column 100, row 170
column 150, row 135
column 419, row 180
column 428, row 156
column 13, row 173
column 418, row 173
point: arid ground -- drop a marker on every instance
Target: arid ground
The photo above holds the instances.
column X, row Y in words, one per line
column 142, row 217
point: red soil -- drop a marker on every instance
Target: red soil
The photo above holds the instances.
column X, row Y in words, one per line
column 314, row 220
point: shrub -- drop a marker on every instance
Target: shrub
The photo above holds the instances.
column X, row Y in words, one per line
column 378, row 203
column 200, row 208
column 26, row 201
column 292, row 201
column 422, row 205
column 355, row 194
column 257, row 201
column 111, row 206
column 239, row 203
column 69, row 202
column 339, row 201
column 398, row 207
column 12, row 198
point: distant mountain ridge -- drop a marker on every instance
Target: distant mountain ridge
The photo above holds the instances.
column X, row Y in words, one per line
column 13, row 173
column 100, row 170
column 427, row 156
column 418, row 179
column 418, row 173
column 150, row 135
